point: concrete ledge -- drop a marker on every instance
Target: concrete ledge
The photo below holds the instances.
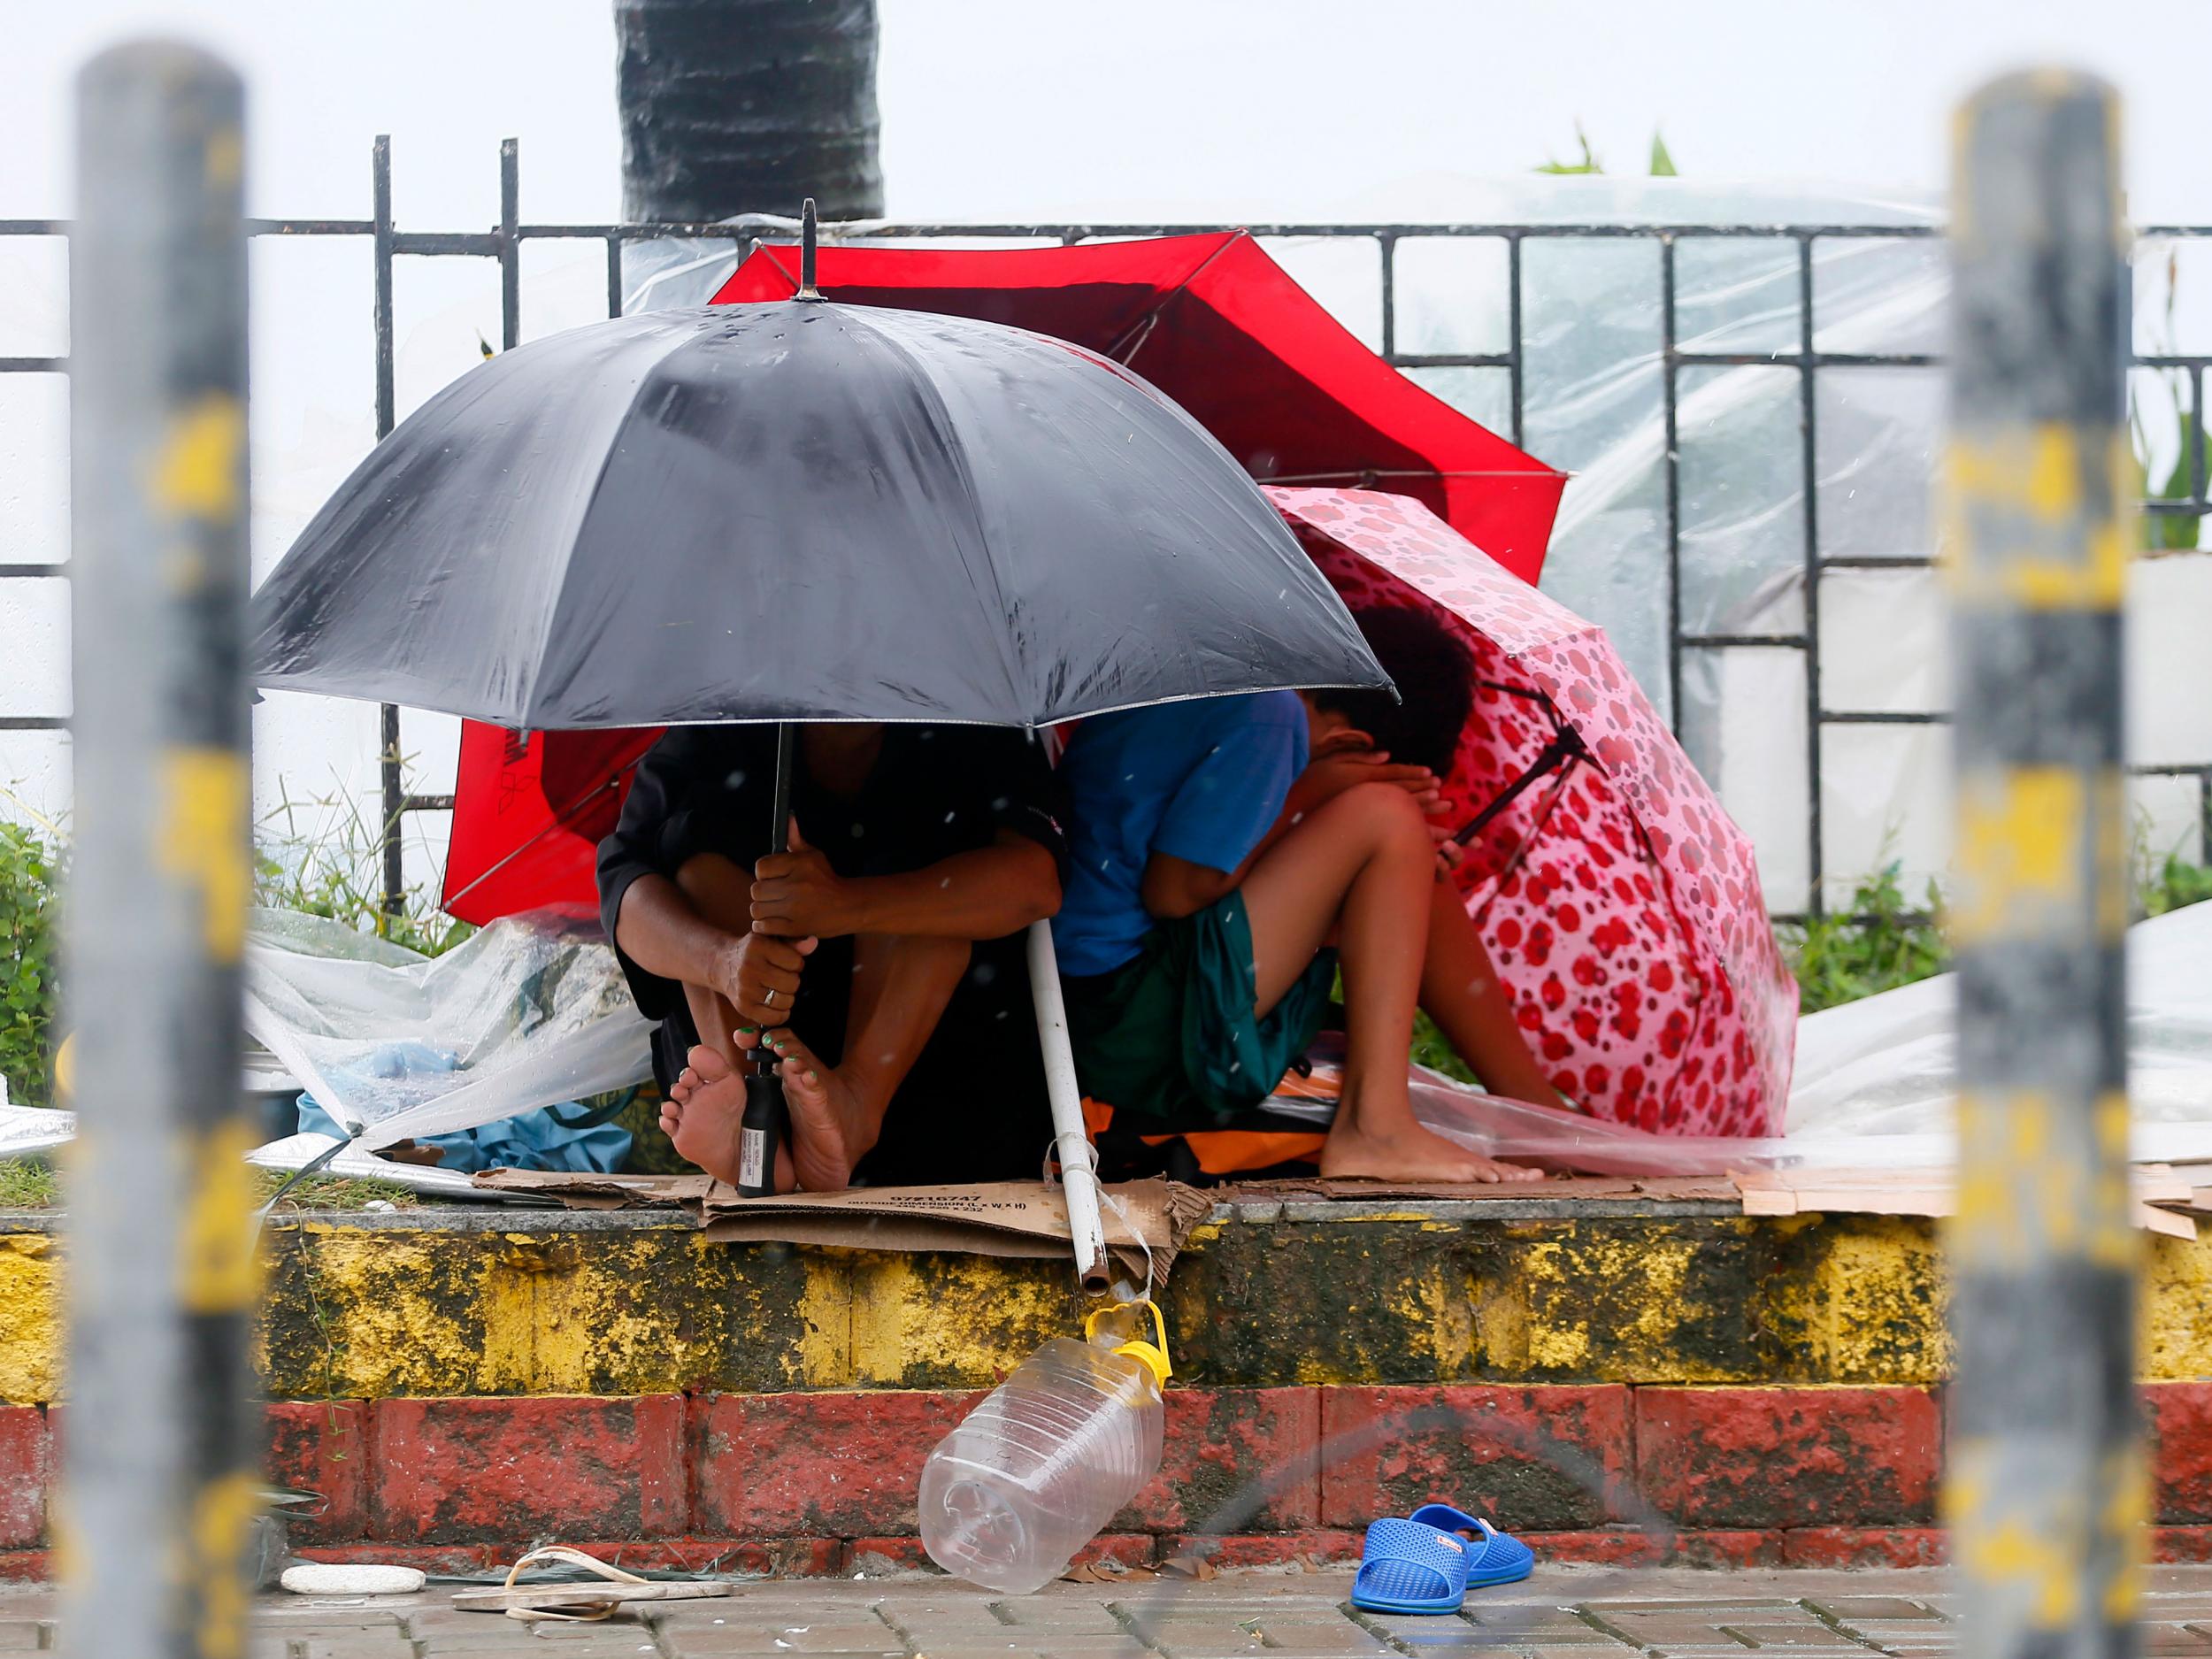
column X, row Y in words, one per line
column 481, row 1302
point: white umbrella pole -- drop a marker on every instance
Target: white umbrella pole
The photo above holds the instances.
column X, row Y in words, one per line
column 1069, row 1143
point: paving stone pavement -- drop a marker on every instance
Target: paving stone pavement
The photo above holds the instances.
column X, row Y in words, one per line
column 1561, row 1613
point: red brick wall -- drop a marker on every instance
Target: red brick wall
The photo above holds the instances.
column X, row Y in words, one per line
column 825, row 1482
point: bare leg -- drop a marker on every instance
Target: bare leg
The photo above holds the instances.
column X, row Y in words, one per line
column 722, row 893
column 1461, row 992
column 901, row 987
column 1361, row 867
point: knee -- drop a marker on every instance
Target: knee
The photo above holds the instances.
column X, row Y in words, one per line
column 704, row 874
column 719, row 890
column 1386, row 812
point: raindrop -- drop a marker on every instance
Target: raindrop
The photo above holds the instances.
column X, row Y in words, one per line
column 735, row 781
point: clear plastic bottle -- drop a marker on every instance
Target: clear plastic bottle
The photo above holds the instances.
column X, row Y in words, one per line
column 1035, row 1472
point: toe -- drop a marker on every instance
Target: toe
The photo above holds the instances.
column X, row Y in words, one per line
column 707, row 1064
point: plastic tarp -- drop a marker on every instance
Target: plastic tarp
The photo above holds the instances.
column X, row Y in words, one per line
column 1875, row 1085
column 1887, row 1066
column 531, row 1011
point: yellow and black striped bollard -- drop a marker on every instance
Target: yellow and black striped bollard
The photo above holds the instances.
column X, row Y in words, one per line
column 2046, row 1490
column 159, row 1486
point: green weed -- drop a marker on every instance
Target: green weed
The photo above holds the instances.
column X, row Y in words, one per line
column 2175, row 883
column 28, row 1185
column 1587, row 162
column 338, row 872
column 30, row 941
column 1875, row 943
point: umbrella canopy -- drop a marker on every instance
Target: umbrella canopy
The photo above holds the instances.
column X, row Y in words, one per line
column 797, row 510
column 529, row 811
column 1221, row 328
column 1621, row 905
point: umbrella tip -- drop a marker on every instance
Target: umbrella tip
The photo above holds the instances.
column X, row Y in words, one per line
column 807, row 290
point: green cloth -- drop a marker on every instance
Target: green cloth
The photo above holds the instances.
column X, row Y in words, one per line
column 1171, row 1032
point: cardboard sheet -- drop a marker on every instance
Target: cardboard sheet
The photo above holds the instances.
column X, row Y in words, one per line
column 1021, row 1218
column 581, row 1191
column 1933, row 1193
column 1018, row 1218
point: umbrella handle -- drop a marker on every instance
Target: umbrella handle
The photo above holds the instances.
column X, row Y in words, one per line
column 761, row 1132
column 766, row 1124
column 778, row 842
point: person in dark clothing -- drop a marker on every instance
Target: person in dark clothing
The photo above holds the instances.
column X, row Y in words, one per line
column 882, row 957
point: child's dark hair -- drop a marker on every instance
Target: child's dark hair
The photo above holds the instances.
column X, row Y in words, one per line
column 1434, row 674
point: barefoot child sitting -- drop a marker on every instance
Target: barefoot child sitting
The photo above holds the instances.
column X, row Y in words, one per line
column 1226, row 855
column 880, row 955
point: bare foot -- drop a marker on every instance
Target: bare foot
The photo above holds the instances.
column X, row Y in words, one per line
column 704, row 1112
column 1410, row 1153
column 832, row 1124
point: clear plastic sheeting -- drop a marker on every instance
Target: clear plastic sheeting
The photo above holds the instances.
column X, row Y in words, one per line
column 532, row 1011
column 1888, row 1065
column 31, row 1132
column 1548, row 1137
column 1875, row 1085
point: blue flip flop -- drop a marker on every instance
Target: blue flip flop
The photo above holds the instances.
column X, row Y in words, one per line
column 1422, row 1565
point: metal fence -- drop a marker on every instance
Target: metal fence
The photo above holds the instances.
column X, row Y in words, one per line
column 503, row 243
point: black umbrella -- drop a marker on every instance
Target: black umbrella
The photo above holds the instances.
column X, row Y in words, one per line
column 798, row 511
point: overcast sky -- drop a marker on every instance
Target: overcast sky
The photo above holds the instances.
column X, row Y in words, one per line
column 1199, row 108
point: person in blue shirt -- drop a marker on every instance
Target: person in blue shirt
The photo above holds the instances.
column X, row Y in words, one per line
column 1226, row 855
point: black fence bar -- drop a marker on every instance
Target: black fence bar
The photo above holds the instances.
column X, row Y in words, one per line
column 1876, row 561
column 503, row 242
column 1669, row 398
column 1388, row 248
column 1808, row 438
column 1518, row 367
column 392, row 786
column 509, row 246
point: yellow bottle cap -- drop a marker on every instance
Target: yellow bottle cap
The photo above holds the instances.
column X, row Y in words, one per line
column 1152, row 1355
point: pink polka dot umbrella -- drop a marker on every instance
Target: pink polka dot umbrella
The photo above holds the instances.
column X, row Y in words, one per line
column 1619, row 902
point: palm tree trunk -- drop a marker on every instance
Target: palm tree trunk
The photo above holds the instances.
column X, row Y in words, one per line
column 738, row 106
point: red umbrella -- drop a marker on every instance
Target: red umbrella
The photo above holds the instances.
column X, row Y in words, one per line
column 1619, row 902
column 528, row 812
column 1222, row 329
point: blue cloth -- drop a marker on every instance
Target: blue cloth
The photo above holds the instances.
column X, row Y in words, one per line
column 528, row 1140
column 1202, row 781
